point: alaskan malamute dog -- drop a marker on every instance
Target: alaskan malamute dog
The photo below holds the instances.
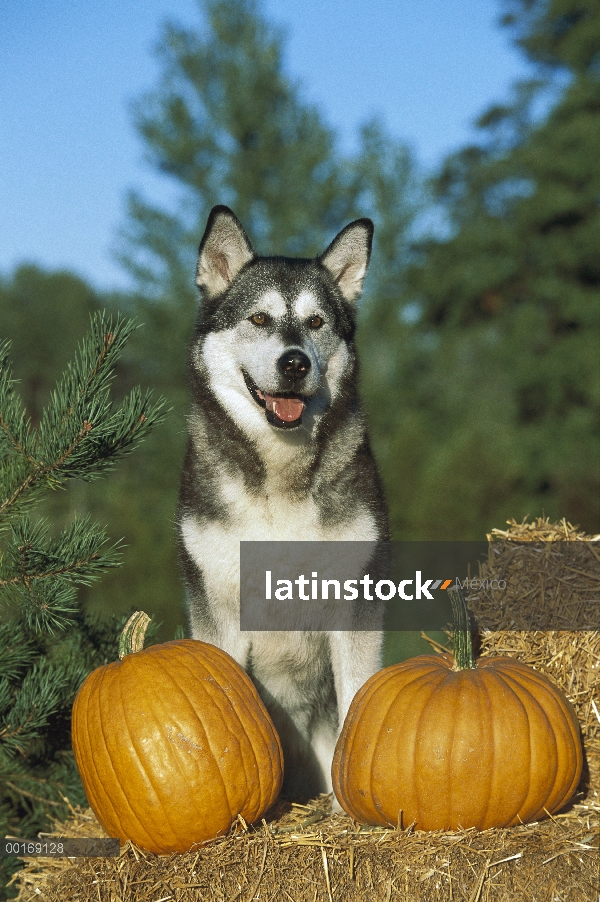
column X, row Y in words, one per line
column 278, row 451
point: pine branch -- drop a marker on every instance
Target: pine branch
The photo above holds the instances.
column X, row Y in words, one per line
column 41, row 575
column 45, row 608
column 5, row 694
column 42, row 694
column 80, row 435
column 76, row 554
column 17, row 652
column 15, row 427
column 47, row 785
column 24, row 793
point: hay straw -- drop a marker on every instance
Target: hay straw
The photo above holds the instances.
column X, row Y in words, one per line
column 342, row 861
column 301, row 853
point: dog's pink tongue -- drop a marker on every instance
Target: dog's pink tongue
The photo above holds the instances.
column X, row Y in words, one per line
column 287, row 409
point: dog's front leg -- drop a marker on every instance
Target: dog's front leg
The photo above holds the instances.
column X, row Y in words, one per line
column 355, row 657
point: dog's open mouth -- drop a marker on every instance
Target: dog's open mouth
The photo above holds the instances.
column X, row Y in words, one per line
column 283, row 410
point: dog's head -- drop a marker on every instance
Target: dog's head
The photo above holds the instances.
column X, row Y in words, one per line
column 275, row 335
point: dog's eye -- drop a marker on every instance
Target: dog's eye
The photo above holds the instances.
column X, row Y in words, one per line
column 259, row 319
column 315, row 322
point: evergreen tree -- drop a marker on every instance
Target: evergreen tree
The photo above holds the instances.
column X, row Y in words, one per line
column 230, row 127
column 500, row 380
column 43, row 313
column 48, row 643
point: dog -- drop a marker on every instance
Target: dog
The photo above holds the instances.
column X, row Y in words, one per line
column 278, row 450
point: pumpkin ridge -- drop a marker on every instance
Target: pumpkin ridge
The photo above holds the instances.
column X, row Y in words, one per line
column 216, row 674
column 339, row 773
column 415, row 734
column 493, row 677
column 446, row 681
column 194, row 710
column 492, row 763
column 570, row 735
column 558, row 694
column 574, row 731
column 98, row 694
column 242, row 690
column 498, row 676
column 243, row 686
column 555, row 800
column 273, row 744
column 141, row 767
column 437, row 682
column 428, row 676
column 81, row 747
column 174, row 755
column 379, row 687
column 508, row 678
column 480, row 682
column 375, row 802
column 452, row 733
column 86, row 753
column 257, row 715
column 349, row 732
column 492, row 744
column 208, row 757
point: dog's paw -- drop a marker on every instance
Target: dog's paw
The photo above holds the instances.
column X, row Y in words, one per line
column 336, row 808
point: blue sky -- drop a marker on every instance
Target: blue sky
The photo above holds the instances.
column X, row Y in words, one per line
column 69, row 70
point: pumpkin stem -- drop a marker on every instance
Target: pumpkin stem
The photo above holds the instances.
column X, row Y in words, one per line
column 463, row 648
column 134, row 633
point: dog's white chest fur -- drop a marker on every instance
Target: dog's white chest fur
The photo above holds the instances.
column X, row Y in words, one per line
column 270, row 516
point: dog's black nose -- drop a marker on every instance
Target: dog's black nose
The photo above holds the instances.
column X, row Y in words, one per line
column 294, row 365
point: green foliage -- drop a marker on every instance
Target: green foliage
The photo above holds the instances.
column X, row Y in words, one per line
column 48, row 644
column 78, row 426
column 558, row 33
column 41, row 312
column 493, row 402
column 230, row 127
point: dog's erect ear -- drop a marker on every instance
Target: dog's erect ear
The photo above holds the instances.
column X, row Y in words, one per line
column 224, row 249
column 347, row 257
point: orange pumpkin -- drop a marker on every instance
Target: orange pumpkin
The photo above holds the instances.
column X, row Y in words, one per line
column 446, row 745
column 173, row 743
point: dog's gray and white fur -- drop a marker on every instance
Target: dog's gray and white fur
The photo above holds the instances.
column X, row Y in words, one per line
column 278, row 450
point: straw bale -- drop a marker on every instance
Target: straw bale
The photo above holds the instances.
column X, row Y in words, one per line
column 552, row 576
column 336, row 859
column 304, row 854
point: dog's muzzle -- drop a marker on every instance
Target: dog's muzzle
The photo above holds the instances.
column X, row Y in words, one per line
column 283, row 410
